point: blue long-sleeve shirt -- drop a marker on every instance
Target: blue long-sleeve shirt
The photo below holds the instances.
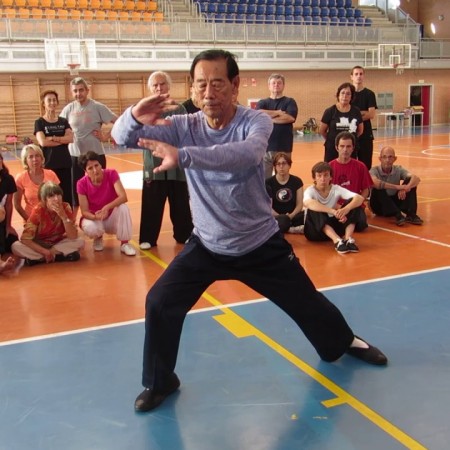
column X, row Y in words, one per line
column 224, row 169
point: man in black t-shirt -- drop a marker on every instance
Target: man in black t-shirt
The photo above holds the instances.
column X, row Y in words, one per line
column 283, row 111
column 366, row 101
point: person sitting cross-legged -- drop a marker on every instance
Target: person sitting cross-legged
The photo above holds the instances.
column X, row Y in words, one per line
column 326, row 216
column 102, row 199
column 395, row 190
column 50, row 234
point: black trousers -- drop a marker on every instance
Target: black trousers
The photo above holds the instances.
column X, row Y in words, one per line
column 154, row 196
column 272, row 269
column 365, row 152
column 65, row 178
column 386, row 205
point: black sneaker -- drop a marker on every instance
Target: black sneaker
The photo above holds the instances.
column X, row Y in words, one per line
column 415, row 220
column 33, row 262
column 400, row 220
column 74, row 256
column 149, row 399
column 341, row 247
column 351, row 246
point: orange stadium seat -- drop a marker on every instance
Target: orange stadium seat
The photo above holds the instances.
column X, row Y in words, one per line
column 158, row 16
column 24, row 13
column 59, row 4
column 70, row 4
column 36, row 13
column 152, row 6
column 124, row 15
column 63, row 14
column 46, row 3
column 140, row 6
column 106, row 4
column 129, row 5
column 117, row 5
column 32, row 3
column 75, row 14
column 7, row 3
column 88, row 14
column 20, row 3
column 50, row 13
column 135, row 16
column 100, row 14
column 82, row 4
column 9, row 13
column 147, row 16
column 95, row 4
column 112, row 15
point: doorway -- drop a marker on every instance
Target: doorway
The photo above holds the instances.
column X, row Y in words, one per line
column 421, row 95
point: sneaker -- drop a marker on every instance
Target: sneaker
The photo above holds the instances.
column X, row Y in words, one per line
column 128, row 249
column 149, row 399
column 33, row 262
column 351, row 246
column 400, row 220
column 145, row 245
column 297, row 230
column 74, row 256
column 98, row 244
column 415, row 220
column 341, row 247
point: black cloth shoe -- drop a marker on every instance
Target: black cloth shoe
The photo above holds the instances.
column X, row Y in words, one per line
column 415, row 220
column 400, row 220
column 371, row 355
column 149, row 399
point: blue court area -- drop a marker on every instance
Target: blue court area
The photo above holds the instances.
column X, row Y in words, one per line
column 249, row 380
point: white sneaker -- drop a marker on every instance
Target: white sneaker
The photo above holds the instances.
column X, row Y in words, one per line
column 145, row 245
column 297, row 230
column 98, row 244
column 128, row 249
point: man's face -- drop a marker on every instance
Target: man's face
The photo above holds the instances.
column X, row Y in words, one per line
column 276, row 87
column 357, row 76
column 214, row 91
column 322, row 179
column 79, row 92
column 159, row 85
column 344, row 149
column 387, row 158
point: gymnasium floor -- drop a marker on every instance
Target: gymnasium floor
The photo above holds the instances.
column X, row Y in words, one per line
column 71, row 339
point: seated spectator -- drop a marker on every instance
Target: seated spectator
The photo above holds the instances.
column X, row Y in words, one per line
column 30, row 179
column 286, row 192
column 395, row 190
column 50, row 234
column 102, row 200
column 326, row 216
column 351, row 174
column 7, row 188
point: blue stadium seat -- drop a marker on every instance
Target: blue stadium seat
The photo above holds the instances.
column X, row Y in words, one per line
column 316, row 20
column 260, row 2
column 240, row 18
column 359, row 21
column 260, row 18
column 314, row 3
column 219, row 18
column 221, row 8
column 212, row 8
column 307, row 20
column 343, row 21
column 270, row 9
column 306, row 11
column 241, row 8
column 323, row 3
column 298, row 20
column 315, row 11
column 332, row 12
column 270, row 18
column 250, row 18
column 367, row 22
column 289, row 2
column 334, row 20
column 232, row 8
column 279, row 2
column 260, row 9
column 324, row 20
column 288, row 19
column 340, row 3
column 289, row 10
column 270, row 2
column 324, row 11
column 306, row 2
column 251, row 8
column 331, row 3
column 347, row 3
column 351, row 21
column 230, row 18
column 350, row 12
column 279, row 10
column 298, row 10
column 279, row 18
column 342, row 12
column 203, row 7
column 357, row 13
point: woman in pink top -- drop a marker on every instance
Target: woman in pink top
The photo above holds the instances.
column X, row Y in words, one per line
column 30, row 179
column 103, row 206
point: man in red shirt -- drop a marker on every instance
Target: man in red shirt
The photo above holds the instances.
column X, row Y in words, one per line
column 351, row 173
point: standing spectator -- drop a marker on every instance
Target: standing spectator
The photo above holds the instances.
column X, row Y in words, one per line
column 158, row 187
column 86, row 117
column 235, row 235
column 331, row 210
column 283, row 112
column 342, row 116
column 54, row 135
column 395, row 190
column 102, row 199
column 351, row 173
column 30, row 179
column 366, row 101
column 286, row 192
column 8, row 234
column 50, row 234
column 191, row 105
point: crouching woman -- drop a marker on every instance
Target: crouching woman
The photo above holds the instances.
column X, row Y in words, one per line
column 49, row 234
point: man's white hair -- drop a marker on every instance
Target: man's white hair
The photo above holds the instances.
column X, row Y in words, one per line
column 159, row 73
